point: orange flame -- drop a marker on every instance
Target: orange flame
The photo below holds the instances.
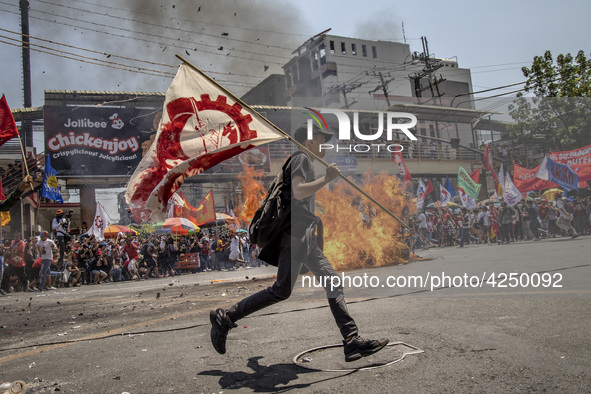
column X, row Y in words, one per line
column 253, row 193
column 356, row 233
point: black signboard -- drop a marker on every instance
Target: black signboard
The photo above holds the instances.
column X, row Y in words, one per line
column 86, row 141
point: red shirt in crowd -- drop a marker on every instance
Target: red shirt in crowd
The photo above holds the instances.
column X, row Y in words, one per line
column 131, row 251
column 17, row 258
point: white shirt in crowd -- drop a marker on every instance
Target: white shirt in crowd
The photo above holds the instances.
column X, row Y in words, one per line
column 46, row 248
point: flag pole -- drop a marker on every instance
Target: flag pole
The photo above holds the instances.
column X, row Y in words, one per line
column 24, row 155
column 299, row 145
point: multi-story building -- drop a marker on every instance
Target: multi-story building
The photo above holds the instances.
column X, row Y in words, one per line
column 367, row 75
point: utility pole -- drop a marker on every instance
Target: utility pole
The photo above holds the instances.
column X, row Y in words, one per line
column 26, row 125
column 403, row 33
column 383, row 86
column 345, row 88
column 431, row 65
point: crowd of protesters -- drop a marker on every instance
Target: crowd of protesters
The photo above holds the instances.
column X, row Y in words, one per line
column 35, row 264
column 530, row 219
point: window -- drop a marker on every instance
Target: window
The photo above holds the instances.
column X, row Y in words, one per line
column 353, row 49
column 364, row 50
column 315, row 60
column 332, row 47
column 374, row 51
column 322, row 53
column 343, row 49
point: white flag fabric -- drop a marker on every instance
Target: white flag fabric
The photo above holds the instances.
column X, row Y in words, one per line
column 174, row 201
column 511, row 193
column 202, row 125
column 543, row 171
column 467, row 200
column 501, row 177
column 421, row 195
column 445, row 196
column 100, row 223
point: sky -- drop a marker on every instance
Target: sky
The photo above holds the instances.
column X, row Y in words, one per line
column 240, row 42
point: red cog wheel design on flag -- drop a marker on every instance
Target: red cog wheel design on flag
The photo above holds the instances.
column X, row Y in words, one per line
column 98, row 222
column 169, row 149
column 187, row 109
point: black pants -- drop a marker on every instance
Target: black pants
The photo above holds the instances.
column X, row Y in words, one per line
column 506, row 229
column 287, row 272
column 14, row 271
column 61, row 243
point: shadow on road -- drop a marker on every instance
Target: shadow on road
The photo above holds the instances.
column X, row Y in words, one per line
column 264, row 379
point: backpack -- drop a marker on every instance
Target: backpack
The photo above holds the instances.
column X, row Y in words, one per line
column 274, row 210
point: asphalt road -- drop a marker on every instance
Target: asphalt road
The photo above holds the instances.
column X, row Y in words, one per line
column 480, row 329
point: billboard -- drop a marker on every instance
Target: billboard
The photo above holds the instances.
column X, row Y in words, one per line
column 87, row 141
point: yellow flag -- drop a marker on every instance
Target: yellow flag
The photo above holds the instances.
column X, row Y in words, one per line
column 5, row 218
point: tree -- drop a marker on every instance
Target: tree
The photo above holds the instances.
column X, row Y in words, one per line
column 558, row 117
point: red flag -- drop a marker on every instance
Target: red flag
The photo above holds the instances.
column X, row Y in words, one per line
column 8, row 128
column 403, row 173
column 205, row 212
column 429, row 189
column 202, row 125
column 526, row 181
column 475, row 175
column 487, row 159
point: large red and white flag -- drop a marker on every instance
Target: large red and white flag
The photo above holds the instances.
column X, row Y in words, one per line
column 8, row 128
column 202, row 125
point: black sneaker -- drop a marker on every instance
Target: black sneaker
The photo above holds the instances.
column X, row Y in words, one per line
column 357, row 347
column 575, row 235
column 220, row 326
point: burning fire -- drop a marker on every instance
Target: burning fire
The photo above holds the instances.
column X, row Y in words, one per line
column 358, row 234
column 253, row 193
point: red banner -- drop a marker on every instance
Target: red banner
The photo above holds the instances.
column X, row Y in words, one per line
column 526, row 181
column 579, row 160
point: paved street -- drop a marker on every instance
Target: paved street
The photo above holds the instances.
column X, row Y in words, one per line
column 153, row 336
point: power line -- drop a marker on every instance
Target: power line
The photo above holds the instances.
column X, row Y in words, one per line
column 110, row 54
column 107, row 62
column 192, row 21
column 161, row 26
column 83, row 61
column 146, row 40
column 155, row 73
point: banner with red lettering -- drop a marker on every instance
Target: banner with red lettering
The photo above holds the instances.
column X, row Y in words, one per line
column 579, row 160
column 526, row 181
